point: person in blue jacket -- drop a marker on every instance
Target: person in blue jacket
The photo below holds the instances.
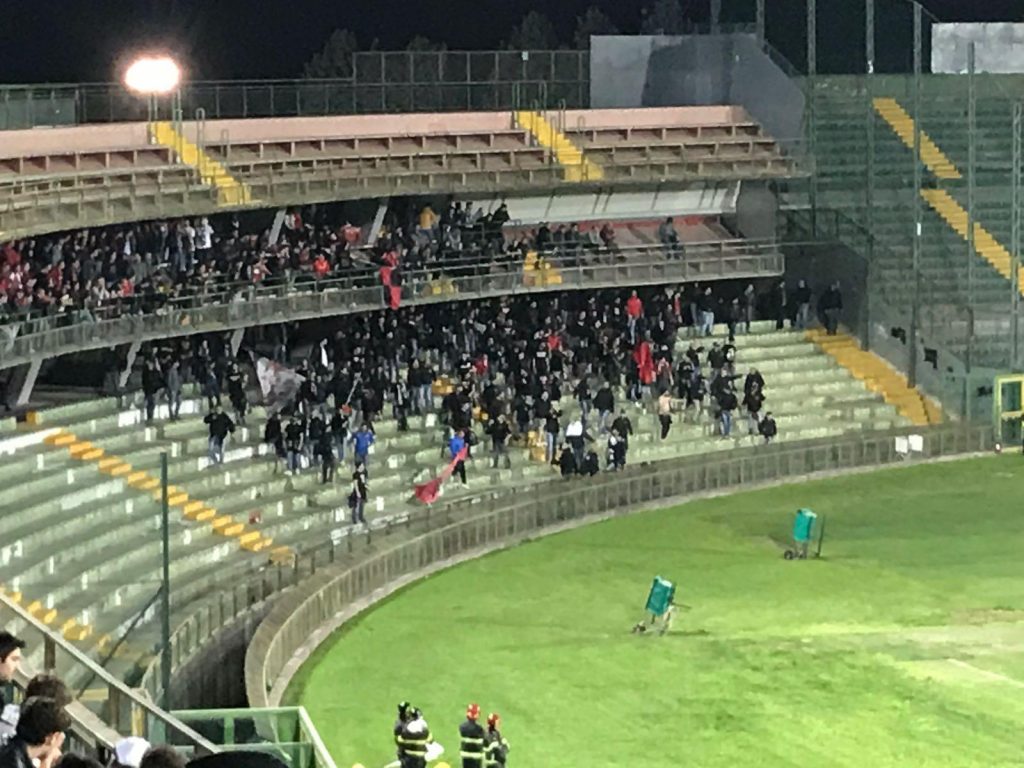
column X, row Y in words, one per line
column 363, row 439
column 455, row 445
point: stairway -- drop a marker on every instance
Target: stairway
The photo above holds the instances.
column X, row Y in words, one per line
column 903, row 124
column 577, row 166
column 230, row 191
column 878, row 376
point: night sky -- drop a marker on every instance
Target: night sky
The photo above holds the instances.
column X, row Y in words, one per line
column 82, row 40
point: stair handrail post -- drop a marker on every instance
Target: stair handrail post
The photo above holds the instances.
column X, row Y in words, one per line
column 916, row 250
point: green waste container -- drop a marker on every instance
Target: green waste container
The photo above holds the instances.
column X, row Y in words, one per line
column 660, row 598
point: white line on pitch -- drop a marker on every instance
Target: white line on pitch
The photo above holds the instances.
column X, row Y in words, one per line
column 986, row 673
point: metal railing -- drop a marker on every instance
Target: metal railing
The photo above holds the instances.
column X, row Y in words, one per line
column 74, row 200
column 372, row 81
column 303, row 297
column 112, row 709
column 354, row 569
column 287, row 732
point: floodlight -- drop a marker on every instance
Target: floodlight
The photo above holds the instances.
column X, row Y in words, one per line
column 153, row 75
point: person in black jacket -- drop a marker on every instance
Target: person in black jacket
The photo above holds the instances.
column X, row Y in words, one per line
column 10, row 660
column 802, row 298
column 501, row 433
column 220, row 426
column 831, row 307
column 472, row 739
column 325, row 453
column 496, row 751
column 39, row 736
column 273, row 436
column 767, row 427
column 339, row 431
column 726, row 405
column 360, row 494
column 294, row 435
column 152, row 382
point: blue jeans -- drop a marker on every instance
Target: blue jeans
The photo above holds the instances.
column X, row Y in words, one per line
column 603, row 421
column 216, row 450
column 363, row 458
column 803, row 315
column 294, row 461
column 339, row 446
column 726, row 423
column 549, row 446
column 707, row 322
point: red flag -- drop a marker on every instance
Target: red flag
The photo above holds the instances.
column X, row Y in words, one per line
column 429, row 491
column 644, row 362
column 394, row 291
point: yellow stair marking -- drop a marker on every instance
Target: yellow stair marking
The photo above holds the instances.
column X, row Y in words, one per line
column 985, row 243
column 233, row 530
column 577, row 166
column 230, row 191
column 41, row 612
column 903, row 125
column 191, row 509
column 61, row 435
column 249, row 538
column 206, row 514
column 77, row 449
column 878, row 376
column 109, row 463
column 64, row 439
column 222, row 522
column 282, row 555
column 94, row 455
column 177, row 499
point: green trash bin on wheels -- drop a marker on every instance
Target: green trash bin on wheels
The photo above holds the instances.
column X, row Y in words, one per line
column 803, row 533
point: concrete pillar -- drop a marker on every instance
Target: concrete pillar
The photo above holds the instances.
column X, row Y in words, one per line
column 378, row 221
column 28, row 383
column 236, row 341
column 275, row 229
column 124, row 373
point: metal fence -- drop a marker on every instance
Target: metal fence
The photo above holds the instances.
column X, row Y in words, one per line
column 353, row 571
column 304, row 298
column 374, row 81
column 112, row 709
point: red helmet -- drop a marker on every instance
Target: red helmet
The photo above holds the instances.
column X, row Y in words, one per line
column 493, row 719
column 473, row 711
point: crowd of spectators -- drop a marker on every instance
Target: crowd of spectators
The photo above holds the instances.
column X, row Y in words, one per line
column 142, row 267
column 502, row 368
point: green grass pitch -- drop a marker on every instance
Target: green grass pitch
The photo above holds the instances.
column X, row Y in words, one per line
column 903, row 646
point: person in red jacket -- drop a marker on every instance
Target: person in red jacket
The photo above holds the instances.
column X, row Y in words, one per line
column 634, row 311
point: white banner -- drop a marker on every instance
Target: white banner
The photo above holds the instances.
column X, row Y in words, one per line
column 278, row 383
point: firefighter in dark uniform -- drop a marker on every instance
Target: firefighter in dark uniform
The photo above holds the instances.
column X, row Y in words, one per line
column 403, row 716
column 471, row 739
column 413, row 741
column 496, row 751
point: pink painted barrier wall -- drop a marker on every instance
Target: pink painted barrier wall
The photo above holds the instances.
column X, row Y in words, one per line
column 121, row 136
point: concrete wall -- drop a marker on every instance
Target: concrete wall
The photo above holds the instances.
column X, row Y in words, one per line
column 660, row 71
column 999, row 47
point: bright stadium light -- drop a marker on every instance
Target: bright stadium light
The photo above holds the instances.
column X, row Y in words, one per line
column 153, row 75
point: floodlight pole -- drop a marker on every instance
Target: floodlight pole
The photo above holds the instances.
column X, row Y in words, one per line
column 869, row 39
column 972, row 126
column 812, row 123
column 916, row 249
column 165, row 588
column 1015, row 235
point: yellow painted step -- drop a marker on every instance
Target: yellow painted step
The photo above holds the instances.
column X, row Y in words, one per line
column 120, row 470
column 177, row 499
column 233, row 530
column 282, row 555
column 94, row 455
column 77, row 449
column 222, row 522
column 61, row 435
column 41, row 612
column 249, row 537
column 146, row 484
column 206, row 514
column 109, row 463
column 191, row 509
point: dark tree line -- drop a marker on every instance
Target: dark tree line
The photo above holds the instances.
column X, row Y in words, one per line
column 534, row 32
